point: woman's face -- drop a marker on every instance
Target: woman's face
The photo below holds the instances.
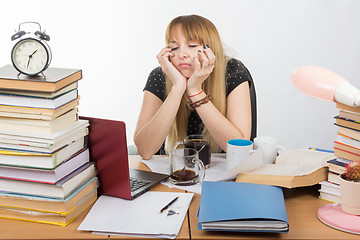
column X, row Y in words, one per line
column 184, row 52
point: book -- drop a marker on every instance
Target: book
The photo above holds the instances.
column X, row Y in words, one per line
column 62, row 91
column 345, row 122
column 329, row 197
column 233, row 206
column 43, row 126
column 349, row 115
column 336, row 166
column 48, row 204
column 294, row 168
column 53, row 151
column 60, row 190
column 43, row 142
column 345, row 107
column 354, row 134
column 333, row 177
column 347, row 147
column 45, row 175
column 37, row 102
column 36, row 113
column 55, row 218
column 347, row 140
column 342, row 153
column 329, row 187
column 56, row 79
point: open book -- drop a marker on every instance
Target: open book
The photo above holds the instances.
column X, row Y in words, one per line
column 294, row 168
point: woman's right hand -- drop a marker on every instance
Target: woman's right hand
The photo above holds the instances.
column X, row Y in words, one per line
column 177, row 79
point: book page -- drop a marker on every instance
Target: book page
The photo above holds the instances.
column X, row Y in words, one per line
column 303, row 157
column 284, row 170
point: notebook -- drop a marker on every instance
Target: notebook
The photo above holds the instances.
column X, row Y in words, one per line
column 248, row 207
column 108, row 149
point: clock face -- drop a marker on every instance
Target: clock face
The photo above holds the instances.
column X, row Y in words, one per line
column 30, row 56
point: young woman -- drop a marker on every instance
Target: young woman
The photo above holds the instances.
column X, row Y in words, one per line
column 196, row 90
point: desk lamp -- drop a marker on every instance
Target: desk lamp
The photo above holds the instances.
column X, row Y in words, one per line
column 325, row 84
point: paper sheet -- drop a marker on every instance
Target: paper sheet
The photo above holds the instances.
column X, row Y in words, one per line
column 139, row 217
column 216, row 172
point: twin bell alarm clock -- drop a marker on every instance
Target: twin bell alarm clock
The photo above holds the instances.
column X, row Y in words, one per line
column 31, row 55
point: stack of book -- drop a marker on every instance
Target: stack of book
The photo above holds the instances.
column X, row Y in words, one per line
column 45, row 170
column 346, row 149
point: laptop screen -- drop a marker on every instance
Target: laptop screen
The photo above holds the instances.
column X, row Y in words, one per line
column 108, row 149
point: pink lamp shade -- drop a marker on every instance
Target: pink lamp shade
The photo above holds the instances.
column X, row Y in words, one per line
column 325, row 84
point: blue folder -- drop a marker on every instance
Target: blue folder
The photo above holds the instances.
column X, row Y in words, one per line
column 248, row 207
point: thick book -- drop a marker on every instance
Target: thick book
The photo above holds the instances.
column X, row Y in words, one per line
column 347, row 140
column 232, row 206
column 45, row 175
column 336, row 166
column 345, row 122
column 36, row 113
column 62, row 91
column 352, row 133
column 349, row 115
column 347, row 154
column 43, row 126
column 345, row 107
column 43, row 142
column 49, row 204
column 347, row 147
column 56, row 79
column 56, row 218
column 329, row 197
column 294, row 168
column 37, row 102
column 334, row 177
column 60, row 190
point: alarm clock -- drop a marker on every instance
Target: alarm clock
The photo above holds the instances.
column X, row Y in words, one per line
column 31, row 55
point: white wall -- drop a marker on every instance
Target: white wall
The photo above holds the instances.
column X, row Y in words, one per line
column 115, row 44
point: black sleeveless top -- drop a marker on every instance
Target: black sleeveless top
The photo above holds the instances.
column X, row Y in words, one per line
column 236, row 73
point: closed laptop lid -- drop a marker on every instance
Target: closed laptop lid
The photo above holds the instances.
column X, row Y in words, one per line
column 108, row 149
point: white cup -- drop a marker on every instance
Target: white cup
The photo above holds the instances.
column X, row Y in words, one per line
column 237, row 150
column 269, row 148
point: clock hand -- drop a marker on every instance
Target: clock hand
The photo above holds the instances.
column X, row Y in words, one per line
column 33, row 53
column 30, row 56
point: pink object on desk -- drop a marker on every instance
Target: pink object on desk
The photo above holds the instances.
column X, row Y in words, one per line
column 333, row 216
column 325, row 84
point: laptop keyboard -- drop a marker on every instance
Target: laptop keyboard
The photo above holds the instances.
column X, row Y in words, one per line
column 135, row 184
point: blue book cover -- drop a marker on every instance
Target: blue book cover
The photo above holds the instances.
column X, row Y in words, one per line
column 234, row 206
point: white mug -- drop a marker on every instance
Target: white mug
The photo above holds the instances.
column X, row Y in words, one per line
column 237, row 150
column 269, row 148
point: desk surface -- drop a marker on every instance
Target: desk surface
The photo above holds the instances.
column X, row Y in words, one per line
column 301, row 204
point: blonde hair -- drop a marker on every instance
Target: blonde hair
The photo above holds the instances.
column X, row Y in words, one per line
column 198, row 28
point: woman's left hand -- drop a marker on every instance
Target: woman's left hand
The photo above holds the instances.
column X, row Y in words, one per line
column 204, row 65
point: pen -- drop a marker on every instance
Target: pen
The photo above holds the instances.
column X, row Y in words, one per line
column 322, row 150
column 168, row 205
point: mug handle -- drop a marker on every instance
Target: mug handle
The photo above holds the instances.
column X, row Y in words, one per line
column 202, row 170
column 177, row 144
column 282, row 148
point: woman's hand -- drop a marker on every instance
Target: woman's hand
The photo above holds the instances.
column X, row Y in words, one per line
column 204, row 65
column 177, row 79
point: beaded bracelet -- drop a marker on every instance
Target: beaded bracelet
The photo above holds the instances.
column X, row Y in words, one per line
column 196, row 104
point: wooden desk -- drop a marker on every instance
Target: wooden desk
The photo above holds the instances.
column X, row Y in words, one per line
column 13, row 229
column 301, row 204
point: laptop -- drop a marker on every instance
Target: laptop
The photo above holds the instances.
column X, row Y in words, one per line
column 108, row 149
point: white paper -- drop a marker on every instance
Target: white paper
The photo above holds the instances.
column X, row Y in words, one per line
column 138, row 217
column 216, row 172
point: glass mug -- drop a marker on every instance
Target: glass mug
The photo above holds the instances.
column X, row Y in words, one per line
column 185, row 167
column 200, row 144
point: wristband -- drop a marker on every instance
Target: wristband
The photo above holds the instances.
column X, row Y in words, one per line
column 197, row 93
